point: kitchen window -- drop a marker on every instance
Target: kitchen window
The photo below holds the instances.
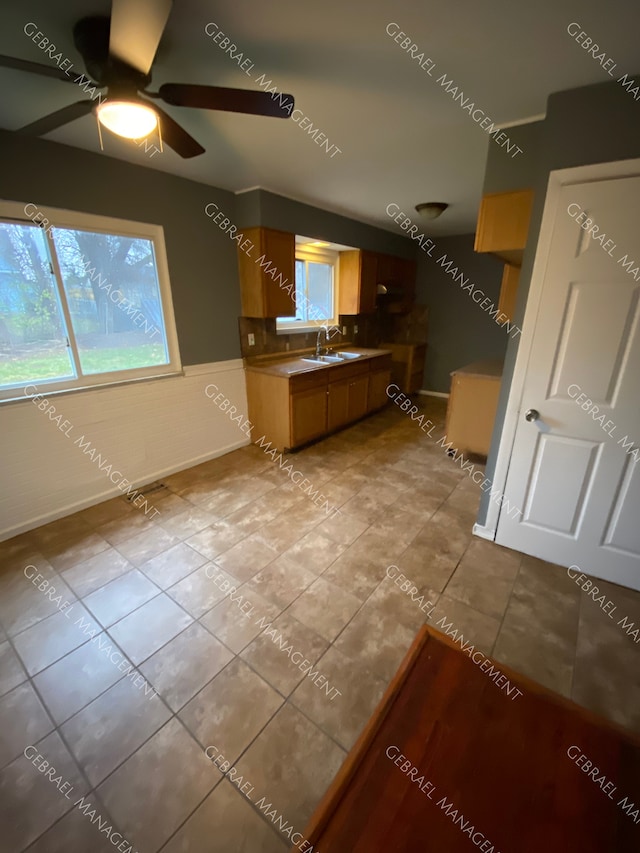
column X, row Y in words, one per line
column 316, row 290
column 84, row 301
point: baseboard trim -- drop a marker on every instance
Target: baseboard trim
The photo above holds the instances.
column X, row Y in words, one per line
column 434, row 394
column 484, row 532
column 78, row 506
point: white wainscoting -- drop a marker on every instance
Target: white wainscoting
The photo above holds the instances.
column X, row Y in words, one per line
column 147, row 430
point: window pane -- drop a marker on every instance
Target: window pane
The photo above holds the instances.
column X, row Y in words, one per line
column 301, row 290
column 112, row 289
column 320, row 290
column 33, row 339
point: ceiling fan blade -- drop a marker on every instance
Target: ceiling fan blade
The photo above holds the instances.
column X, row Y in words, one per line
column 57, row 119
column 136, row 30
column 176, row 137
column 35, row 68
column 232, row 100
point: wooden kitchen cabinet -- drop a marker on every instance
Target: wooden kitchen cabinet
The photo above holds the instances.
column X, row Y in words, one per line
column 358, row 282
column 377, row 394
column 261, row 294
column 509, row 291
column 358, row 397
column 291, row 410
column 407, row 367
column 308, row 415
column 503, row 224
column 472, row 406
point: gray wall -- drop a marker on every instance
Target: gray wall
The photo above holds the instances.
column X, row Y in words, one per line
column 260, row 207
column 514, row 173
column 459, row 331
column 593, row 124
column 202, row 260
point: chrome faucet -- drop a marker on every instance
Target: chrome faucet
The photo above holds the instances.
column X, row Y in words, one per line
column 321, row 350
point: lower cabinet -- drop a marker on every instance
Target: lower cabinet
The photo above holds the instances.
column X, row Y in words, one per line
column 291, row 411
column 358, row 389
column 378, row 383
column 308, row 415
column 338, row 403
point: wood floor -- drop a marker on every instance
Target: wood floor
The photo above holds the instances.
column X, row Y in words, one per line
column 500, row 762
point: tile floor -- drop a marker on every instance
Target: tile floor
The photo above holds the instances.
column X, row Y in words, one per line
column 128, row 589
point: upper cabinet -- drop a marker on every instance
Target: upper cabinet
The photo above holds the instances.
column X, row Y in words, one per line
column 357, row 282
column 360, row 273
column 267, row 276
column 503, row 224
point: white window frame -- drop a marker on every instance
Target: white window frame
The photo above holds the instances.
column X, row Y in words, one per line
column 15, row 211
column 287, row 325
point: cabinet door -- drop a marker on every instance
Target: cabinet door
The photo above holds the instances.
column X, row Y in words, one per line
column 368, row 282
column 308, row 415
column 509, row 291
column 338, row 404
column 377, row 394
column 358, row 393
column 279, row 248
column 503, row 223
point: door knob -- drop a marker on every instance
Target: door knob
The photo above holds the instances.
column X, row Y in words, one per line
column 532, row 415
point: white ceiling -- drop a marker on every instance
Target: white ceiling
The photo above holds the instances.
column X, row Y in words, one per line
column 403, row 139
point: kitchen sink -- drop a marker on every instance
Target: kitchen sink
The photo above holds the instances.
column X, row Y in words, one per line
column 324, row 359
column 348, row 354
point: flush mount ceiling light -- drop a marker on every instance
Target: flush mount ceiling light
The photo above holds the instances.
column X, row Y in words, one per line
column 431, row 209
column 128, row 119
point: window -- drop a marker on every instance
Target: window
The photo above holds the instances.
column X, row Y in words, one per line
column 84, row 301
column 316, row 292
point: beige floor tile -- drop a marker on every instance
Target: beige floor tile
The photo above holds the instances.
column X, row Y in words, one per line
column 107, row 511
column 120, row 597
column 144, row 546
column 239, row 827
column 291, row 764
column 148, row 628
column 69, row 684
column 73, row 834
column 105, row 733
column 231, row 710
column 156, row 789
column 23, row 720
column 485, row 577
column 247, row 558
column 181, row 668
column 22, row 604
column 201, row 590
column 345, row 715
column 51, row 639
column 89, row 575
column 325, row 608
column 314, row 552
column 217, row 538
column 29, row 803
column 186, row 523
column 12, row 672
column 281, row 582
column 237, row 627
column 172, row 565
column 280, row 651
column 355, row 574
column 455, row 619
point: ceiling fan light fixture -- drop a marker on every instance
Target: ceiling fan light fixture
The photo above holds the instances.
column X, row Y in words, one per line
column 431, row 209
column 127, row 119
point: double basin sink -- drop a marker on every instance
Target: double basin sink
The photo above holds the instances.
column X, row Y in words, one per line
column 334, row 358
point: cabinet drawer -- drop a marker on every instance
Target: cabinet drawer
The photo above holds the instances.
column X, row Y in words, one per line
column 338, row 372
column 312, row 379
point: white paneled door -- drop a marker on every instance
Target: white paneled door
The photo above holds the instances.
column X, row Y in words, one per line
column 574, row 470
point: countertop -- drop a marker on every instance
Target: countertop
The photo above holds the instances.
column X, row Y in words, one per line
column 291, row 366
column 490, row 367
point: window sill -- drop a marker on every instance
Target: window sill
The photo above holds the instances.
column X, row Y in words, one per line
column 42, row 392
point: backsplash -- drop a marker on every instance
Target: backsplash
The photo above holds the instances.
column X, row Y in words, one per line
column 372, row 329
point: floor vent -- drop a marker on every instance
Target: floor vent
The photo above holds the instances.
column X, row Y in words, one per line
column 146, row 490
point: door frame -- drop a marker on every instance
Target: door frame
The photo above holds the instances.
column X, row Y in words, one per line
column 558, row 179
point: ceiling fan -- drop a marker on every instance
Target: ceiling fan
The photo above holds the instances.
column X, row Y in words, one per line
column 118, row 53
